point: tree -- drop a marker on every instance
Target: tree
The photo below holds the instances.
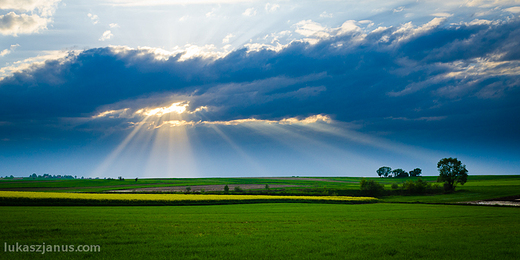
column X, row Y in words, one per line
column 384, row 171
column 400, row 173
column 226, row 189
column 451, row 172
column 415, row 172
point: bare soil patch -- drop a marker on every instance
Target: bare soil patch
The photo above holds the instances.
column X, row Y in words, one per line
column 306, row 179
column 504, row 201
column 205, row 187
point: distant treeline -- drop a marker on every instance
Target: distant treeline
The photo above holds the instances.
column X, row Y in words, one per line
column 48, row 176
column 386, row 171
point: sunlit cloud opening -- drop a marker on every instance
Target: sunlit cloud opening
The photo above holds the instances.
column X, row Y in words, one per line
column 179, row 108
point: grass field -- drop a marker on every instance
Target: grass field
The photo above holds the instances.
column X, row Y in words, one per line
column 268, row 231
column 311, row 230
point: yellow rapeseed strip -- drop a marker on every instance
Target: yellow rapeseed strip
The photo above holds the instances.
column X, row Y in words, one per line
column 172, row 197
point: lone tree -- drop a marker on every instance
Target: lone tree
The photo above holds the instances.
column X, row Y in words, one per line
column 415, row 172
column 384, row 171
column 452, row 172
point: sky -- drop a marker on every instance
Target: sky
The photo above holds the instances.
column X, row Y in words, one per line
column 225, row 88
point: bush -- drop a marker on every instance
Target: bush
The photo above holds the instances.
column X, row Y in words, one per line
column 226, row 189
column 238, row 189
column 371, row 187
column 420, row 187
column 395, row 186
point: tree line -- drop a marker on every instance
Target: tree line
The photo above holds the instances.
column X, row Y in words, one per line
column 451, row 172
column 386, row 172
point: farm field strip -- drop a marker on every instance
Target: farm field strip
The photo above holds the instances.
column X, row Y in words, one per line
column 6, row 195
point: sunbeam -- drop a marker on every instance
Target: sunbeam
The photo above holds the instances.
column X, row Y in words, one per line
column 256, row 166
column 103, row 167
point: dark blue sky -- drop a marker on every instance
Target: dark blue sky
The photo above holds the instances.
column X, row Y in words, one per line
column 343, row 99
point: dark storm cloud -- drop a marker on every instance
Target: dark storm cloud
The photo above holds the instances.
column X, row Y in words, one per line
column 390, row 80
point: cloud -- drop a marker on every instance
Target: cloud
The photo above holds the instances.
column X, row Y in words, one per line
column 14, row 24
column 211, row 13
column 114, row 25
column 249, row 12
column 326, row 15
column 106, row 35
column 130, row 3
column 515, row 9
column 7, row 51
column 94, row 18
column 398, row 9
column 419, row 75
column 309, row 28
column 227, row 38
column 271, row 7
column 43, row 7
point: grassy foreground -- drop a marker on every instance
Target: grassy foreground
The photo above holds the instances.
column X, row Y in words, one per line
column 267, row 231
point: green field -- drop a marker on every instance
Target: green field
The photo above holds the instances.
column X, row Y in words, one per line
column 268, row 231
column 312, row 230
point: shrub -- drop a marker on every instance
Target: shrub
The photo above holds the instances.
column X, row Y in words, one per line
column 420, row 187
column 395, row 186
column 371, row 187
column 226, row 189
column 238, row 189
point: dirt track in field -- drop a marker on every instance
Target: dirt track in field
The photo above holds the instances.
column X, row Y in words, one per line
column 306, row 179
column 205, row 187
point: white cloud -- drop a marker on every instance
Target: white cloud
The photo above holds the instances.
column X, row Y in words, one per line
column 4, row 52
column 34, row 62
column 212, row 13
column 247, row 121
column 168, row 2
column 93, row 17
column 184, row 18
column 7, row 51
column 227, row 38
column 43, row 7
column 442, row 15
column 326, row 15
column 349, row 27
column 491, row 3
column 308, row 28
column 271, row 7
column 249, row 12
column 106, row 35
column 399, row 9
column 515, row 9
column 114, row 25
column 14, row 24
column 479, row 22
column 408, row 31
